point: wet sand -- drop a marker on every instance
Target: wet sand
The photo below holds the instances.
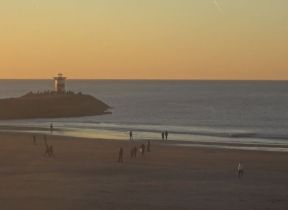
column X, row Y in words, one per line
column 84, row 174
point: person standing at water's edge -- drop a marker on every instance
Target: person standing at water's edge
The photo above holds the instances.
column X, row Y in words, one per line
column 131, row 135
column 163, row 135
column 51, row 128
column 166, row 135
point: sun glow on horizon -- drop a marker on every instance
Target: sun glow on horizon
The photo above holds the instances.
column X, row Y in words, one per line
column 159, row 39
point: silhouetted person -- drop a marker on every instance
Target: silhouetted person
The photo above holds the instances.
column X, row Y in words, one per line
column 47, row 151
column 131, row 135
column 34, row 140
column 51, row 128
column 120, row 158
column 135, row 152
column 132, row 153
column 163, row 135
column 51, row 151
column 240, row 170
column 148, row 146
column 166, row 135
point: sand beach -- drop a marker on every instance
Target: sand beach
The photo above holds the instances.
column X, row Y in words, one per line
column 85, row 174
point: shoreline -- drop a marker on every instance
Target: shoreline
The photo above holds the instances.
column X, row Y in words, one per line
column 219, row 143
column 170, row 143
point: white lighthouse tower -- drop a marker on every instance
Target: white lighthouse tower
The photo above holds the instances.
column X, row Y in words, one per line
column 59, row 83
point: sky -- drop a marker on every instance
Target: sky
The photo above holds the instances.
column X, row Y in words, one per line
column 151, row 39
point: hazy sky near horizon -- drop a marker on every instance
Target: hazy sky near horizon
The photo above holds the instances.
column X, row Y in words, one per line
column 151, row 39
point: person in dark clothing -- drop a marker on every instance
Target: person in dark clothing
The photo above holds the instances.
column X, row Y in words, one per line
column 132, row 153
column 120, row 158
column 51, row 151
column 163, row 135
column 135, row 152
column 47, row 151
column 148, row 146
column 166, row 135
column 34, row 140
column 131, row 135
column 51, row 128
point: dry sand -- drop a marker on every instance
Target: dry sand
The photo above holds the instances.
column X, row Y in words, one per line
column 85, row 175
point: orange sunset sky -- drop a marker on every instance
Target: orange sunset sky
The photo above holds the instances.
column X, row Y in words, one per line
column 151, row 39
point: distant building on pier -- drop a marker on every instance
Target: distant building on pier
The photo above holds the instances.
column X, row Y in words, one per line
column 59, row 83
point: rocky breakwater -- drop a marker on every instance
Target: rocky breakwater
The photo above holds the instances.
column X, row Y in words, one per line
column 51, row 105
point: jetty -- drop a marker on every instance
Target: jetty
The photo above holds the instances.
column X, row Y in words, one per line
column 57, row 103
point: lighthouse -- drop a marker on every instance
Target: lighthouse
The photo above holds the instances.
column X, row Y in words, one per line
column 59, row 83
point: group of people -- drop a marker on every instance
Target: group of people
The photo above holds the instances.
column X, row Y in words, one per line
column 49, row 151
column 134, row 150
column 47, row 92
column 164, row 135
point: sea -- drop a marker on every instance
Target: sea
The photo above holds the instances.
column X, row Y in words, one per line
column 249, row 115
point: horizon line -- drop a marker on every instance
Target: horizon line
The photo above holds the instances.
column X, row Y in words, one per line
column 148, row 79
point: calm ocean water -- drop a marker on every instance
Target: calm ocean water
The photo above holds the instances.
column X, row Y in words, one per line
column 253, row 112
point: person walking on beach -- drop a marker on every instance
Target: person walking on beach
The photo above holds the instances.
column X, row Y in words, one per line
column 131, row 135
column 148, row 146
column 142, row 150
column 132, row 153
column 163, row 135
column 135, row 152
column 47, row 151
column 120, row 158
column 51, row 151
column 34, row 140
column 166, row 135
column 240, row 170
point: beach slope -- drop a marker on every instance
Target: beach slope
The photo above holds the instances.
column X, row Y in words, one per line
column 84, row 174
